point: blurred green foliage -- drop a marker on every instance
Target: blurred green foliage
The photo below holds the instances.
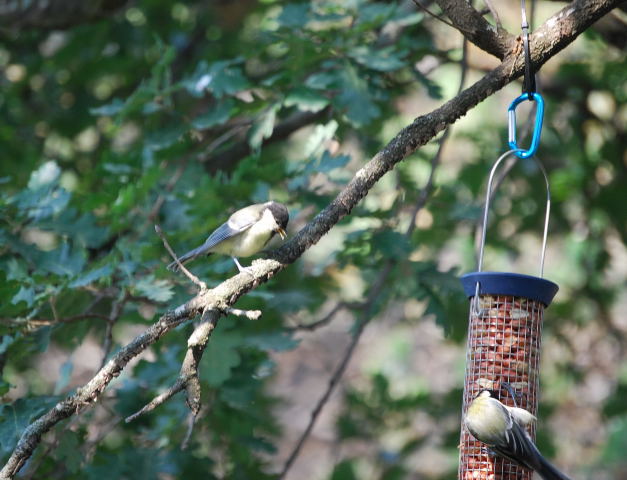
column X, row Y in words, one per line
column 167, row 113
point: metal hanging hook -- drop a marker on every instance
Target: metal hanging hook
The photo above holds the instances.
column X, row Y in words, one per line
column 489, row 194
column 475, row 307
column 529, row 93
column 529, row 84
column 537, row 129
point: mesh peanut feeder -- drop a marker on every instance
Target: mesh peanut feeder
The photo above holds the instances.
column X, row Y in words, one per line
column 503, row 351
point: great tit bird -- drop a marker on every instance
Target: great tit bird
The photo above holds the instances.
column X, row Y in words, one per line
column 245, row 233
column 502, row 428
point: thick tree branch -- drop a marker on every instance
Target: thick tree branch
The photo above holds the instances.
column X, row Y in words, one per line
column 548, row 40
column 494, row 40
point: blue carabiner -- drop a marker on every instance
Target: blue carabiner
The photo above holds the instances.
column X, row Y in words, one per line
column 535, row 139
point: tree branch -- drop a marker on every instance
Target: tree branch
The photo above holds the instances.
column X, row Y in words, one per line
column 56, row 14
column 476, row 29
column 548, row 40
column 226, row 160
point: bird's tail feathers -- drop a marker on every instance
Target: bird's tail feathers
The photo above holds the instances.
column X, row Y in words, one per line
column 192, row 254
column 548, row 471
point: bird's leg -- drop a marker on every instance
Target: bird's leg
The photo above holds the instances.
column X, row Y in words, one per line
column 241, row 269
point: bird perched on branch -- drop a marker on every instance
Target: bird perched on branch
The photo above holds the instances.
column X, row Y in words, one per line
column 245, row 233
column 502, row 428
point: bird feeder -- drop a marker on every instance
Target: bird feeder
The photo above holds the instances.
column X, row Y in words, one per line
column 503, row 350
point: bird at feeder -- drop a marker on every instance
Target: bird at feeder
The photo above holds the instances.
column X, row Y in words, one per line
column 502, row 428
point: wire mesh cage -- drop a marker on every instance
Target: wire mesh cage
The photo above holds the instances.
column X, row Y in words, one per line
column 503, row 349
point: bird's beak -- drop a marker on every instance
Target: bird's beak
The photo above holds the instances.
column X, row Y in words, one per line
column 282, row 233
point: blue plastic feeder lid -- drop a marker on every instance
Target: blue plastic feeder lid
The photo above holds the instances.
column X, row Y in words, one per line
column 514, row 284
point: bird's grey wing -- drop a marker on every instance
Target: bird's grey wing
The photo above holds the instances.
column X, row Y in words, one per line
column 517, row 446
column 225, row 231
column 240, row 221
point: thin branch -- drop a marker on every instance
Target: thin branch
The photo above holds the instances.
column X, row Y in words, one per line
column 495, row 13
column 227, row 159
column 434, row 15
column 42, row 322
column 428, row 188
column 193, row 278
column 188, row 376
column 547, row 41
column 191, row 421
column 54, row 15
column 178, row 386
column 116, row 311
column 373, row 295
column 327, row 318
column 156, row 207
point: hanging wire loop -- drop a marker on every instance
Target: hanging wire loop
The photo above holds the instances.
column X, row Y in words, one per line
column 486, row 210
column 537, row 129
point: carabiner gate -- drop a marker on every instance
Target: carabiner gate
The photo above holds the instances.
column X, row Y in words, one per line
column 535, row 139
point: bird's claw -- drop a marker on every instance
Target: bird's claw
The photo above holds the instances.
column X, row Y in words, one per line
column 247, row 270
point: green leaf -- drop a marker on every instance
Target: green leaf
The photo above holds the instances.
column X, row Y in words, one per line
column 5, row 387
column 355, row 100
column 65, row 373
column 222, row 78
column 329, row 162
column 16, row 416
column 221, row 356
column 110, row 109
column 391, row 244
column 159, row 290
column 294, row 15
column 374, row 14
column 344, row 471
column 63, row 261
column 263, row 127
column 5, row 343
column 217, row 115
column 383, row 60
column 306, row 99
column 92, row 276
column 69, row 452
column 46, row 175
column 26, row 295
column 165, row 137
column 317, row 140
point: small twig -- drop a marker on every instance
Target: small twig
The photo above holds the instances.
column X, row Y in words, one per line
column 154, row 211
column 249, row 314
column 494, row 13
column 193, row 278
column 178, row 386
column 428, row 188
column 188, row 376
column 116, row 311
column 326, row 319
column 41, row 322
column 434, row 15
column 53, row 307
column 339, row 371
column 191, row 421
